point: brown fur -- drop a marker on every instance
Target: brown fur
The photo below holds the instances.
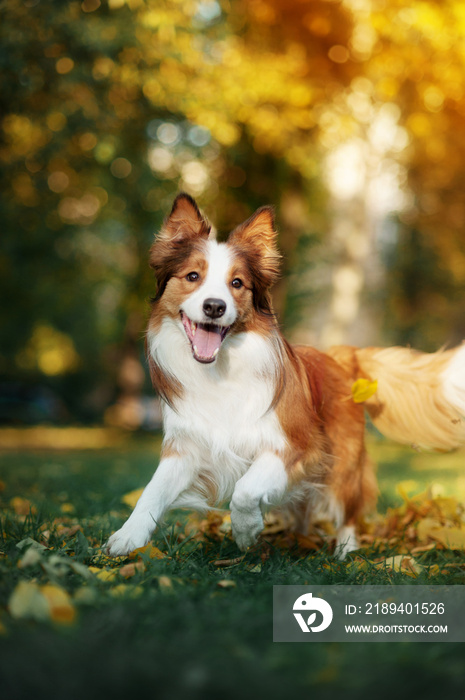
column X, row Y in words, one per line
column 326, row 431
column 409, row 405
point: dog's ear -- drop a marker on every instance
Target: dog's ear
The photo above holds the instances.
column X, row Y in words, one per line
column 180, row 233
column 184, row 222
column 256, row 237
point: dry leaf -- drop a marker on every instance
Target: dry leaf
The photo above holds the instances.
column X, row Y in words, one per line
column 132, row 569
column 22, row 506
column 226, row 583
column 104, row 574
column 229, row 562
column 426, row 528
column 148, row 550
column 128, row 590
column 27, row 601
column 67, row 508
column 131, row 498
column 31, row 558
column 401, row 562
column 61, row 607
column 165, row 582
column 47, row 602
column 450, row 537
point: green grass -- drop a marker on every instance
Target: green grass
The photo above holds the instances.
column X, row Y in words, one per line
column 174, row 631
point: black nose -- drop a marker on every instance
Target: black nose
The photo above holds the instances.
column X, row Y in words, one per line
column 214, row 308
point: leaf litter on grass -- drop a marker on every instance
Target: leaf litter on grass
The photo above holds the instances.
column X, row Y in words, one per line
column 402, row 540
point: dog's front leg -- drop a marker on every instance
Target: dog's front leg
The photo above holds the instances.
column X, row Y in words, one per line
column 173, row 476
column 262, row 485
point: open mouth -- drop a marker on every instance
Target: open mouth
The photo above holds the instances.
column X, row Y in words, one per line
column 205, row 338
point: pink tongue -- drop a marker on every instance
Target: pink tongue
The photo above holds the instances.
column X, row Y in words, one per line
column 207, row 341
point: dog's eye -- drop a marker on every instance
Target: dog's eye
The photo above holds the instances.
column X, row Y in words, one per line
column 192, row 276
column 237, row 283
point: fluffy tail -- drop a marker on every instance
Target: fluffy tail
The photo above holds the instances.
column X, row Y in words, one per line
column 420, row 398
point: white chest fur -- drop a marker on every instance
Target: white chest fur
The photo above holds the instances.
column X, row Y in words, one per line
column 223, row 421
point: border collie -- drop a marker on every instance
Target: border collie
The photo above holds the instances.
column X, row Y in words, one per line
column 250, row 419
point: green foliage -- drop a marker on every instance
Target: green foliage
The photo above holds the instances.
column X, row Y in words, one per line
column 109, row 108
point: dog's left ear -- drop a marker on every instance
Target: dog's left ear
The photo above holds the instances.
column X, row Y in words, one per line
column 257, row 238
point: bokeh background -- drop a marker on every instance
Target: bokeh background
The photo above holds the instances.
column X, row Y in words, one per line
column 347, row 116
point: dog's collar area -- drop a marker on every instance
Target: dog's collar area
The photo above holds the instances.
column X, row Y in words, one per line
column 205, row 338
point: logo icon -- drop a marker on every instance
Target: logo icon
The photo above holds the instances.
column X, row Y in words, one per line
column 307, row 603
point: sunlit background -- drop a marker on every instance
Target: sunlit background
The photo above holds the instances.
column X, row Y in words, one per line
column 348, row 117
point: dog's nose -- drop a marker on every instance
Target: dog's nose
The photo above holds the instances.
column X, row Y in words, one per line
column 214, row 308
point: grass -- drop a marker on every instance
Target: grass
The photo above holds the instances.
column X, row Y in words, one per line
column 182, row 626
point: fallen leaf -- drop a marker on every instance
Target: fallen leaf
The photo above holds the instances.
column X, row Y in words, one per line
column 426, row 528
column 401, row 562
column 61, row 607
column 22, row 506
column 150, row 551
column 131, row 498
column 29, row 542
column 132, row 569
column 450, row 537
column 85, row 595
column 226, row 583
column 104, row 574
column 67, row 508
column 31, row 558
column 229, row 562
column 123, row 589
column 27, row 601
column 423, row 548
column 165, row 582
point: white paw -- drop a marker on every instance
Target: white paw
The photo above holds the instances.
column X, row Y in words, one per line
column 346, row 541
column 246, row 527
column 126, row 540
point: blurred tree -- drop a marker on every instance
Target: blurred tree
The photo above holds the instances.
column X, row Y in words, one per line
column 110, row 107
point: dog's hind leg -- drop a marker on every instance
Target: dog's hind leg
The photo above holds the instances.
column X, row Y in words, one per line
column 353, row 488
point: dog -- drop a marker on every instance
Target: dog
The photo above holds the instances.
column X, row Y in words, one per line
column 250, row 419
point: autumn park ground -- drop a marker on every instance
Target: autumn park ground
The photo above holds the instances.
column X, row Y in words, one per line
column 187, row 616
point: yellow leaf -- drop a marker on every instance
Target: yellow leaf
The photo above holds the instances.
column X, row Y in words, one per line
column 150, row 550
column 403, row 488
column 61, row 607
column 126, row 590
column 107, row 574
column 104, row 574
column 403, row 563
column 363, row 389
column 131, row 498
column 67, row 508
column 85, row 595
column 450, row 537
column 27, row 601
column 165, row 582
column 22, row 506
column 427, row 527
column 449, row 507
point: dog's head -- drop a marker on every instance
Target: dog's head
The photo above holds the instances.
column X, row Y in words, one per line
column 213, row 289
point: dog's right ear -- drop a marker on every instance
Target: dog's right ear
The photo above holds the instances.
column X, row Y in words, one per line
column 184, row 222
